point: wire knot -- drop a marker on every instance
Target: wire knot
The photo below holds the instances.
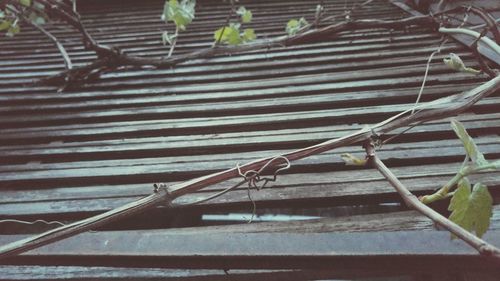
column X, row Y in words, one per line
column 254, row 177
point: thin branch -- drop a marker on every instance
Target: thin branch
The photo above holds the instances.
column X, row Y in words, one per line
column 115, row 58
column 67, row 61
column 354, row 8
column 312, row 35
column 497, row 21
column 232, row 10
column 483, row 247
column 475, row 50
column 60, row 47
column 489, row 21
column 440, row 108
column 67, row 14
column 490, row 43
column 172, row 47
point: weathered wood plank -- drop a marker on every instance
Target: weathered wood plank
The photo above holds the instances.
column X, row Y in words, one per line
column 61, row 115
column 128, row 273
column 212, row 125
column 335, row 251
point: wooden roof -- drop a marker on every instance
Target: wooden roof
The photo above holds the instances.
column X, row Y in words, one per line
column 66, row 156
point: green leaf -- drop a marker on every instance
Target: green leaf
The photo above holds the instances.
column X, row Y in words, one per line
column 471, row 210
column 228, row 35
column 470, row 147
column 181, row 14
column 4, row 25
column 246, row 15
column 2, row 14
column 248, row 35
column 13, row 29
column 293, row 26
column 25, row 3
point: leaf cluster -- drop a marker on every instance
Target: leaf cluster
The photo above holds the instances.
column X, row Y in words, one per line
column 471, row 207
column 231, row 34
column 15, row 11
column 293, row 26
column 181, row 14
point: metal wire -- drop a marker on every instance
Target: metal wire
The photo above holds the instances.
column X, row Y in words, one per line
column 32, row 222
column 253, row 178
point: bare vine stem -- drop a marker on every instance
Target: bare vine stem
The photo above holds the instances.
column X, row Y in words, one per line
column 60, row 47
column 484, row 248
column 172, row 47
column 111, row 57
column 117, row 58
column 438, row 109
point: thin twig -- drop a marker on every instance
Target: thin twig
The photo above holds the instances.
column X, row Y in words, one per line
column 475, row 50
column 172, row 47
column 313, row 35
column 333, row 17
column 490, row 43
column 489, row 21
column 228, row 19
column 67, row 61
column 60, row 47
column 318, row 13
column 115, row 58
column 483, row 247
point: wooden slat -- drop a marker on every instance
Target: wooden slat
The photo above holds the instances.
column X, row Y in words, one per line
column 192, row 144
column 127, row 273
column 358, row 251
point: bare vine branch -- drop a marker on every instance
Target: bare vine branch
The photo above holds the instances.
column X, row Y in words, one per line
column 117, row 58
column 67, row 61
column 440, row 108
column 483, row 247
column 475, row 50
